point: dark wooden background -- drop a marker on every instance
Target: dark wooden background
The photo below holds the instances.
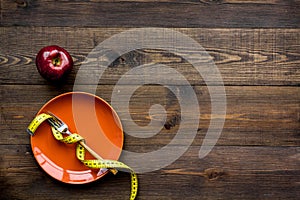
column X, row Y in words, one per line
column 256, row 46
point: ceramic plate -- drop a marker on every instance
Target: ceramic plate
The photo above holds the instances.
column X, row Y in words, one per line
column 92, row 118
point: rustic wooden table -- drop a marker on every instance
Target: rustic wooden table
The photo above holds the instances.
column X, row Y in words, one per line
column 255, row 45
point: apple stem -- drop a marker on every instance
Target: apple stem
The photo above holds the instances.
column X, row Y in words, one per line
column 56, row 61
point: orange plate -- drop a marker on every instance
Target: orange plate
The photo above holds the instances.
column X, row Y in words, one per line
column 90, row 117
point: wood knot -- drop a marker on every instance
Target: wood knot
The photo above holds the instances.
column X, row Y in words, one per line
column 214, row 173
column 22, row 3
column 172, row 122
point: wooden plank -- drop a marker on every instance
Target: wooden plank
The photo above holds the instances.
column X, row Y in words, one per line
column 267, row 116
column 243, row 56
column 231, row 172
column 255, row 45
column 151, row 13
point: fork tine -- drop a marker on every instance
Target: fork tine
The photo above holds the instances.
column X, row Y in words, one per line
column 58, row 123
column 55, row 119
column 53, row 122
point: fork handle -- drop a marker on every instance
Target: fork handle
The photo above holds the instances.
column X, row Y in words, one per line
column 114, row 171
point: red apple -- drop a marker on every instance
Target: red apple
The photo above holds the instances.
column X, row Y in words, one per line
column 53, row 63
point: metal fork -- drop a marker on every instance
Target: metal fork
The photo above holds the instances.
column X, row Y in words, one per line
column 58, row 124
column 62, row 127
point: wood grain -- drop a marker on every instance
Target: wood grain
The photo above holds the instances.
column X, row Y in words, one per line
column 151, row 13
column 258, row 116
column 231, row 172
column 256, row 47
column 243, row 56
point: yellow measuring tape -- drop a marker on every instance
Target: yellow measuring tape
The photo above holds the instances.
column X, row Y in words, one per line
column 80, row 151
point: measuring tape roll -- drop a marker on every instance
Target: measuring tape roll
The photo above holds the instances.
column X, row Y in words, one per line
column 80, row 151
